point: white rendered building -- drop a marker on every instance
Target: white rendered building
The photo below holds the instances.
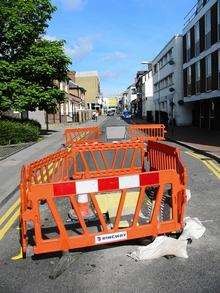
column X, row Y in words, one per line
column 168, row 84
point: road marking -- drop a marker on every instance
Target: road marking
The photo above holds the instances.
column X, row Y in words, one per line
column 208, row 162
column 9, row 211
column 217, row 168
column 8, row 225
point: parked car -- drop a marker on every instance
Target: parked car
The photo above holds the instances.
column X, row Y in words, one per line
column 126, row 114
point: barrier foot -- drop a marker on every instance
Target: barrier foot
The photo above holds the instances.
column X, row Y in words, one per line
column 63, row 264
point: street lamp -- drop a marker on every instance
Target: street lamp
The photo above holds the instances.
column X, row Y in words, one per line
column 146, row 63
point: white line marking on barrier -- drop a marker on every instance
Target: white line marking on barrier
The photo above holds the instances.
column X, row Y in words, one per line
column 86, row 186
column 129, row 181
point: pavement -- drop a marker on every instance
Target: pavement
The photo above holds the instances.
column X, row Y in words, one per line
column 108, row 269
column 11, row 166
column 203, row 141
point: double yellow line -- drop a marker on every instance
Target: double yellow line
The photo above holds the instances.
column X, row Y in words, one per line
column 10, row 216
column 208, row 162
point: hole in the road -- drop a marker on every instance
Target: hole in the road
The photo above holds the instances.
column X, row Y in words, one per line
column 166, row 208
column 48, row 225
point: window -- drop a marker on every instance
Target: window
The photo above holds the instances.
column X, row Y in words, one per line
column 185, row 82
column 189, row 80
column 208, row 71
column 165, row 59
column 189, row 75
column 208, row 66
column 208, row 22
column 214, row 23
column 218, row 12
column 197, row 32
column 197, row 77
column 208, row 29
column 188, row 46
column 188, row 40
column 170, row 79
column 197, row 71
column 219, row 69
column 197, row 39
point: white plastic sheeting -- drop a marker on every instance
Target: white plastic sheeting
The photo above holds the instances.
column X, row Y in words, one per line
column 193, row 229
column 161, row 246
column 164, row 245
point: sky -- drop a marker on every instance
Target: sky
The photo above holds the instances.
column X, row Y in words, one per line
column 113, row 37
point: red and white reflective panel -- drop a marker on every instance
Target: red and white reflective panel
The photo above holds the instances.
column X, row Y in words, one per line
column 105, row 184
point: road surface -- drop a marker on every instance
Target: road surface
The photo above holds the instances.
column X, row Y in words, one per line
column 109, row 269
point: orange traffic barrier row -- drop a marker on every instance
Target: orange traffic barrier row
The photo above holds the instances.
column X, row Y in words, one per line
column 99, row 193
column 89, row 160
column 76, row 135
column 143, row 132
column 147, row 132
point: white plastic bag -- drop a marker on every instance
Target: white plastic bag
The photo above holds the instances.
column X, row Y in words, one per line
column 193, row 229
column 161, row 246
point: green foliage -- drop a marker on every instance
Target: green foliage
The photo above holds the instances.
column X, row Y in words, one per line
column 31, row 122
column 21, row 23
column 21, row 95
column 13, row 132
column 29, row 65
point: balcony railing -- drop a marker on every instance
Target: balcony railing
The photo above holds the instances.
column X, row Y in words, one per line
column 194, row 11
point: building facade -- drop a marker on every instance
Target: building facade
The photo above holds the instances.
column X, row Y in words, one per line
column 91, row 83
column 201, row 63
column 147, row 96
column 74, row 109
column 136, row 105
column 168, row 85
column 131, row 96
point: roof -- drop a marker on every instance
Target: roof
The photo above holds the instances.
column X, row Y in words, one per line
column 73, row 85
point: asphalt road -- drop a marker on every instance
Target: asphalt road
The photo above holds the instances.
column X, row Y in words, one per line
column 110, row 270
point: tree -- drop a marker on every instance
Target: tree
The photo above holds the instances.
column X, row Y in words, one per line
column 29, row 64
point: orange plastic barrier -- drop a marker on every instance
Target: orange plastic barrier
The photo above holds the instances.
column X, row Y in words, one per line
column 89, row 160
column 165, row 157
column 141, row 132
column 106, row 159
column 147, row 132
column 121, row 206
column 75, row 135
